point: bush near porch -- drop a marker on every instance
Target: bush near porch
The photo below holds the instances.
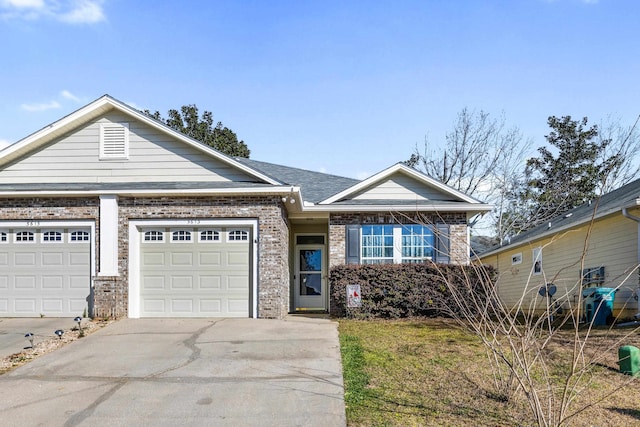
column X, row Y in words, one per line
column 391, row 291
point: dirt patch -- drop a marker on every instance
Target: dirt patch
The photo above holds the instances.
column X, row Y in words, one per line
column 47, row 345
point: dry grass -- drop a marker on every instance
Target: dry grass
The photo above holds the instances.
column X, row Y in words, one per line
column 49, row 344
column 431, row 373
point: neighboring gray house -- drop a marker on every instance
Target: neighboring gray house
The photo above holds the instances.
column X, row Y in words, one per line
column 111, row 212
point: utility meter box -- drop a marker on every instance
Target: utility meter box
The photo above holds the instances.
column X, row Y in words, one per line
column 598, row 305
column 629, row 360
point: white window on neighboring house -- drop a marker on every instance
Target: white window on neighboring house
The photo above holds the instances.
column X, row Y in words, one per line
column 537, row 260
column 114, row 141
column 516, row 258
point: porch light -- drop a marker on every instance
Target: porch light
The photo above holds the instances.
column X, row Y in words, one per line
column 29, row 337
column 59, row 333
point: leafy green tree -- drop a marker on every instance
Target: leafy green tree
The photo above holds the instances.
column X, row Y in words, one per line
column 565, row 175
column 189, row 122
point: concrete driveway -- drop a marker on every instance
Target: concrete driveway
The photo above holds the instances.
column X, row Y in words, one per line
column 170, row 372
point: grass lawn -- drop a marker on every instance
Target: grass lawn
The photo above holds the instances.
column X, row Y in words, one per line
column 432, row 373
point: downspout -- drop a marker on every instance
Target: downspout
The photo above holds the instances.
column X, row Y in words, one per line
column 626, row 214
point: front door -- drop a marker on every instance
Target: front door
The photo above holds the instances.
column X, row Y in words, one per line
column 310, row 281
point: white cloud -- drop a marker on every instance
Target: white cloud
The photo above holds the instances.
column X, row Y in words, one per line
column 40, row 106
column 68, row 11
column 84, row 12
column 68, row 95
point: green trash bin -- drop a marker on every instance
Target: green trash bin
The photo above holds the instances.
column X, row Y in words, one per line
column 629, row 360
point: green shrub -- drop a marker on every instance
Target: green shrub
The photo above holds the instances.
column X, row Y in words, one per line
column 404, row 290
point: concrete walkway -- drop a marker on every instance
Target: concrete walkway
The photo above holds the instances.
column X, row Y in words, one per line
column 186, row 372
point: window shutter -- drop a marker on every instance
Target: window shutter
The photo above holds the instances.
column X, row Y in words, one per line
column 442, row 244
column 353, row 244
column 114, row 141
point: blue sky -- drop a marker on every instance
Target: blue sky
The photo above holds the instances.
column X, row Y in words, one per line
column 343, row 87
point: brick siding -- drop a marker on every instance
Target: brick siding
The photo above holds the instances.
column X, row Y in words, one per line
column 110, row 294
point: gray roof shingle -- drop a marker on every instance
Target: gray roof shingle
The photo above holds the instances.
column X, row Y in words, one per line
column 316, row 186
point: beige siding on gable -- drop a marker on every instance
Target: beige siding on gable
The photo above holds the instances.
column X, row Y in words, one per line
column 401, row 187
column 153, row 157
column 613, row 243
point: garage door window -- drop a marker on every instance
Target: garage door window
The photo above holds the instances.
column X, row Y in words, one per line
column 153, row 236
column 238, row 235
column 25, row 236
column 3, row 237
column 79, row 236
column 52, row 236
column 210, row 236
column 181, row 236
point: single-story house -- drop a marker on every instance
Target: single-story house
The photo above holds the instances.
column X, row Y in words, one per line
column 606, row 230
column 110, row 213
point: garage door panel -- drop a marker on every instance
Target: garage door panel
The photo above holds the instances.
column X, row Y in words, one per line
column 182, row 282
column 210, row 259
column 237, row 259
column 204, row 278
column 153, row 282
column 52, row 259
column 53, row 305
column 4, row 282
column 24, row 306
column 237, row 282
column 25, row 259
column 52, row 282
column 181, row 306
column 25, row 282
column 210, row 306
column 182, row 259
column 153, row 259
column 4, row 259
column 77, row 305
column 210, row 282
column 79, row 282
column 79, row 258
column 4, row 306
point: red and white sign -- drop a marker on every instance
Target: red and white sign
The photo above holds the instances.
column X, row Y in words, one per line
column 354, row 298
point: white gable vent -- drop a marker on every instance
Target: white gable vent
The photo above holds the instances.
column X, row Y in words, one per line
column 114, row 140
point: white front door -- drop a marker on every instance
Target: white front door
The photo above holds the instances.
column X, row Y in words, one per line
column 310, row 278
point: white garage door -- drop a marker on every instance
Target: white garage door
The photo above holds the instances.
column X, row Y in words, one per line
column 44, row 271
column 195, row 272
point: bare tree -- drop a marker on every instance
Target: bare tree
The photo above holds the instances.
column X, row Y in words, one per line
column 624, row 143
column 481, row 157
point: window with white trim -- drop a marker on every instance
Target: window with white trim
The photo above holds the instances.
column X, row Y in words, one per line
column 377, row 244
column 401, row 243
column 537, row 261
column 516, row 258
column 209, row 236
column 79, row 236
column 181, row 236
column 153, row 236
column 24, row 236
column 51, row 236
column 114, row 141
column 238, row 236
column 3, row 237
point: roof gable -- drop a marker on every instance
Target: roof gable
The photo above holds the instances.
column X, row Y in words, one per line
column 399, row 183
column 108, row 110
